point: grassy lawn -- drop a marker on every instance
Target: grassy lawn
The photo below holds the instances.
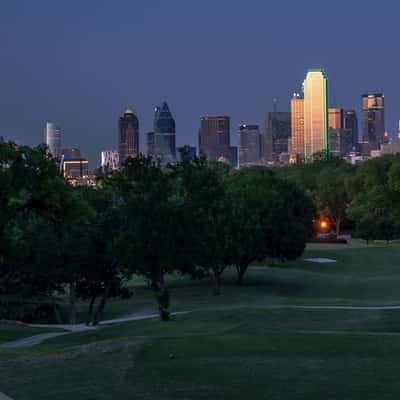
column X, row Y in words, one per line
column 235, row 346
column 362, row 275
column 271, row 354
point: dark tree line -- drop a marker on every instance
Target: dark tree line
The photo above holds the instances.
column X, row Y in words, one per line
column 195, row 218
column 364, row 199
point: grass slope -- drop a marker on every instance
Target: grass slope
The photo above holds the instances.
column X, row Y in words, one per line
column 235, row 346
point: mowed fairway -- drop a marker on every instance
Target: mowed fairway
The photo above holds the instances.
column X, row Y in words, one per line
column 246, row 344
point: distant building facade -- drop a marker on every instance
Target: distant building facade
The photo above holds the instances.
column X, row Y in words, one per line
column 128, row 136
column 214, row 137
column 150, row 144
column 71, row 153
column 109, row 160
column 277, row 134
column 335, row 118
column 234, row 157
column 75, row 169
column 316, row 133
column 350, row 126
column 186, row 152
column 296, row 143
column 249, row 146
column 53, row 139
column 336, row 132
column 164, row 135
column 392, row 147
column 373, row 119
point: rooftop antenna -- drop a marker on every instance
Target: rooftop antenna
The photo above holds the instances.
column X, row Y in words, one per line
column 275, row 104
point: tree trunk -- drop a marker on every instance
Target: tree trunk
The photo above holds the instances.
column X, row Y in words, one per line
column 337, row 226
column 90, row 311
column 102, row 304
column 241, row 270
column 72, row 301
column 217, row 284
column 161, row 282
column 157, row 281
column 56, row 314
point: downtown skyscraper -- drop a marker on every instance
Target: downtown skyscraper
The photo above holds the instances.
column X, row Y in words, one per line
column 164, row 135
column 53, row 139
column 277, row 134
column 336, row 133
column 350, row 126
column 373, row 120
column 316, row 132
column 214, row 137
column 249, row 145
column 296, row 143
column 150, row 144
column 128, row 136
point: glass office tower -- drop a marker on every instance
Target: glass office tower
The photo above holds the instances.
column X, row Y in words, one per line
column 53, row 139
column 164, row 135
column 249, row 145
column 373, row 119
column 316, row 137
column 296, row 144
column 350, row 125
column 277, row 134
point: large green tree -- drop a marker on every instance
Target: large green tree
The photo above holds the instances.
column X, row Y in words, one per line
column 35, row 202
column 207, row 215
column 332, row 194
column 270, row 217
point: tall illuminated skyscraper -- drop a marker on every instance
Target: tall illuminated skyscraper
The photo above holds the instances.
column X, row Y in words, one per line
column 373, row 119
column 296, row 143
column 128, row 136
column 53, row 139
column 164, row 135
column 316, row 133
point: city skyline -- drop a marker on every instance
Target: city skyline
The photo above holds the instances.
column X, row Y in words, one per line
column 141, row 140
column 76, row 77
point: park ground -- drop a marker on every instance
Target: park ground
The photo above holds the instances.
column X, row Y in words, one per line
column 252, row 342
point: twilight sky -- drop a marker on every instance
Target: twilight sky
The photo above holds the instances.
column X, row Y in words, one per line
column 79, row 63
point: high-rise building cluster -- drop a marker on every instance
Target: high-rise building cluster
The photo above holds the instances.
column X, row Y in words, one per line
column 310, row 130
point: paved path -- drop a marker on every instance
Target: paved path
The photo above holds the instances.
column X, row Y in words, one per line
column 4, row 397
column 32, row 340
column 40, row 338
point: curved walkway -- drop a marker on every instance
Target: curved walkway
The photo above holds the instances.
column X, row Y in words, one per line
column 40, row 338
